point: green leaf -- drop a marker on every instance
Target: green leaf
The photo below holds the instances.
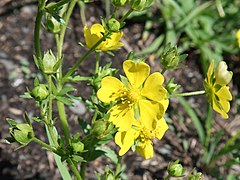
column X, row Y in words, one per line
column 64, row 100
column 26, row 95
column 154, row 46
column 109, row 154
column 196, row 121
column 27, row 118
column 61, row 166
column 11, row 122
column 230, row 146
column 36, row 82
column 193, row 14
column 65, row 90
column 77, row 158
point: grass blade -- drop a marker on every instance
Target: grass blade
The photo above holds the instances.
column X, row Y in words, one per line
column 196, row 121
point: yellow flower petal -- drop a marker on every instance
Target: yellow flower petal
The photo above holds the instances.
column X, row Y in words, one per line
column 238, row 37
column 224, row 93
column 91, row 39
column 110, row 89
column 122, row 117
column 153, row 88
column 145, row 149
column 95, row 33
column 97, row 29
column 210, row 70
column 165, row 104
column 149, row 112
column 125, row 140
column 161, row 128
column 136, row 72
column 220, row 111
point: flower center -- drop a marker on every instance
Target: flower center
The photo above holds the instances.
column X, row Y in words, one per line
column 134, row 95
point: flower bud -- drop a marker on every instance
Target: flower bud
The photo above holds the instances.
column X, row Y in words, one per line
column 101, row 128
column 139, row 5
column 223, row 76
column 170, row 58
column 119, row 3
column 40, row 92
column 22, row 133
column 171, row 86
column 49, row 62
column 78, row 146
column 52, row 24
column 175, row 169
column 194, row 175
column 113, row 25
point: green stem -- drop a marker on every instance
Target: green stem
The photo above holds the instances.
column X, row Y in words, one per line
column 167, row 178
column 97, row 62
column 59, row 42
column 74, row 169
column 46, row 146
column 82, row 12
column 118, row 167
column 126, row 15
column 64, row 27
column 49, row 111
column 164, row 70
column 37, row 34
column 188, row 94
column 107, row 8
column 64, row 122
column 83, row 169
column 79, row 61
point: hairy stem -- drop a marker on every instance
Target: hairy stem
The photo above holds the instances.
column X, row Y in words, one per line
column 74, row 169
column 188, row 94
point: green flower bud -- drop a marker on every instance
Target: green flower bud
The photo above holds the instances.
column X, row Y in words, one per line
column 52, row 24
column 139, row 5
column 49, row 61
column 223, row 76
column 22, row 133
column 119, row 3
column 171, row 86
column 101, row 128
column 194, row 175
column 113, row 25
column 78, row 146
column 175, row 169
column 170, row 58
column 40, row 92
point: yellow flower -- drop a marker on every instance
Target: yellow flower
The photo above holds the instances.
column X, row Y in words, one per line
column 140, row 95
column 216, row 88
column 95, row 33
column 238, row 37
column 141, row 137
